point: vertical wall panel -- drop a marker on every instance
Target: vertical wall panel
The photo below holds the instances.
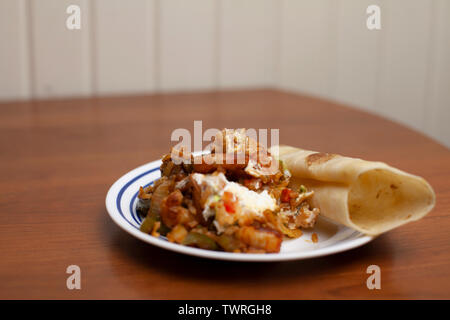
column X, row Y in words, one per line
column 14, row 58
column 308, row 46
column 187, row 44
column 357, row 54
column 61, row 57
column 246, row 41
column 124, row 46
column 405, row 52
column 437, row 109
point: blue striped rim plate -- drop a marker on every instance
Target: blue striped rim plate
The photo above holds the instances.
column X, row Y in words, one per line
column 121, row 205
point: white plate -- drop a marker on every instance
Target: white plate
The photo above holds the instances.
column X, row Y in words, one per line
column 121, row 205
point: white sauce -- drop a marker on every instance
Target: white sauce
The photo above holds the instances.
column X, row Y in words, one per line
column 250, row 201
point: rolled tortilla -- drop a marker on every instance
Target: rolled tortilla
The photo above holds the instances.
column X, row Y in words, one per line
column 371, row 197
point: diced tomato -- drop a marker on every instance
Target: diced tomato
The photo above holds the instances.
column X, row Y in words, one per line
column 286, row 195
column 229, row 202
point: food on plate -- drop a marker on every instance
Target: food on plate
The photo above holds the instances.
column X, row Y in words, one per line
column 242, row 198
column 236, row 198
column 371, row 197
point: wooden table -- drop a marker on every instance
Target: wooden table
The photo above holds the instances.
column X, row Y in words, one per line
column 58, row 159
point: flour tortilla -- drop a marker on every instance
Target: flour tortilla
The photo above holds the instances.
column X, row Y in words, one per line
column 371, row 197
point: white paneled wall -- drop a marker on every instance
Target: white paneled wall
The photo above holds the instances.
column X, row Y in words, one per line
column 246, row 43
column 437, row 108
column 405, row 59
column 123, row 46
column 60, row 59
column 308, row 46
column 318, row 47
column 14, row 57
column 187, row 44
column 357, row 55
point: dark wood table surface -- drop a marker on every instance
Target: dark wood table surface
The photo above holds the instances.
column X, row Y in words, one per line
column 58, row 159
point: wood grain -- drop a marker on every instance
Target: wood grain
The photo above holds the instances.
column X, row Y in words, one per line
column 58, row 159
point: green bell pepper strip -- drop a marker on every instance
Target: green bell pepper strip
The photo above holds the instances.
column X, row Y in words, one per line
column 200, row 240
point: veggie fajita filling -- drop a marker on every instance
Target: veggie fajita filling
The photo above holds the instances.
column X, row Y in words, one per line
column 233, row 199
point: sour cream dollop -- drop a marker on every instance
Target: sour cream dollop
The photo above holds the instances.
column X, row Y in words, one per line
column 251, row 202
